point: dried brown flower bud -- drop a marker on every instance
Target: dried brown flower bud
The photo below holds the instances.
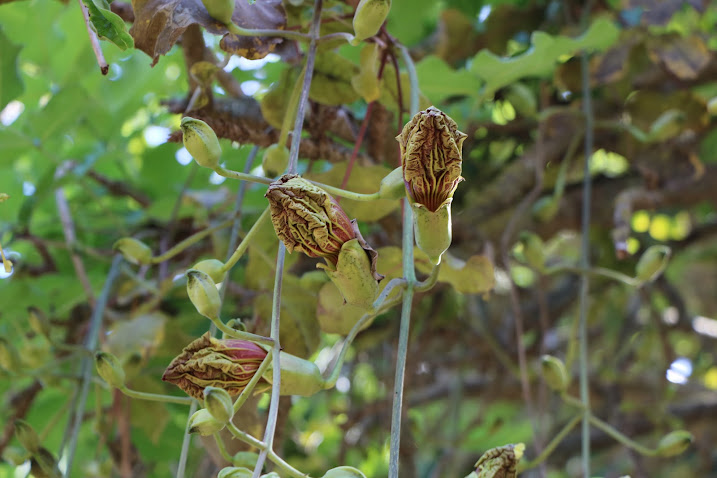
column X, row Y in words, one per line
column 431, row 148
column 308, row 219
column 228, row 364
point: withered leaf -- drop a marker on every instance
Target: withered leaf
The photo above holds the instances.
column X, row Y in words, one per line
column 684, row 56
column 160, row 23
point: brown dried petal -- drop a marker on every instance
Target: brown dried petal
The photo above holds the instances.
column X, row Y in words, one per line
column 228, row 364
column 431, row 148
column 307, row 218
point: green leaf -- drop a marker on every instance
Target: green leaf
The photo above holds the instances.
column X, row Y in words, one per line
column 541, row 57
column 108, row 26
column 11, row 85
column 438, row 81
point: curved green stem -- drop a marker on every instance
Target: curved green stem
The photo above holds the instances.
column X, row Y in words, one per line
column 271, row 454
column 231, row 174
column 346, row 194
column 430, row 281
column 222, row 448
column 244, row 244
column 335, row 36
column 246, row 393
column 240, row 334
column 249, row 32
column 595, row 271
column 190, row 241
column 333, row 376
column 156, row 397
column 607, row 428
column 551, row 446
column 291, row 108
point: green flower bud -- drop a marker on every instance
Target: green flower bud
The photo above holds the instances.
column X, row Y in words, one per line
column 533, row 248
column 203, row 293
column 136, row 252
column 246, row 459
column 501, row 461
column 203, row 423
column 674, row 443
column 27, row 436
column 221, row 10
column 44, row 464
column 355, row 273
column 213, row 268
column 308, row 219
column 392, row 186
column 366, row 82
column 431, row 148
column 433, row 230
column 275, row 160
column 234, row 472
column 369, row 16
column 344, row 472
column 9, row 358
column 546, row 208
column 219, row 404
column 228, row 364
column 554, row 373
column 298, row 376
column 652, row 262
column 201, row 142
column 712, row 106
column 110, row 369
column 38, row 322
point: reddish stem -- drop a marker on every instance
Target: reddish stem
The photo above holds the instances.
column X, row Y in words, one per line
column 362, row 130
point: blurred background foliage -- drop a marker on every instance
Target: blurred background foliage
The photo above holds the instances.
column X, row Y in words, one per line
column 87, row 159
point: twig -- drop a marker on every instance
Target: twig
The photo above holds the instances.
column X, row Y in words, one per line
column 276, row 302
column 76, row 418
column 68, row 229
column 94, row 41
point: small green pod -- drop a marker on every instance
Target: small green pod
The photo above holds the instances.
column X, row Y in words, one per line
column 554, row 373
column 298, row 376
column 203, row 423
column 203, row 293
column 213, row 268
column 392, row 185
column 201, row 141
column 136, row 252
column 674, row 443
column 353, row 275
column 652, row 262
column 219, row 404
column 344, row 472
column 369, row 16
column 110, row 369
column 221, row 10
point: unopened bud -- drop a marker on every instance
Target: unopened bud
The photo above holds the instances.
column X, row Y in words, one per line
column 674, row 443
column 369, row 16
column 221, row 10
column 344, row 472
column 110, row 369
column 213, row 268
column 201, row 141
column 652, row 262
column 245, row 459
column 203, row 293
column 14, row 455
column 275, row 160
column 136, row 252
column 234, row 472
column 668, row 125
column 27, row 436
column 38, row 322
column 554, row 373
column 392, row 186
column 219, row 404
column 203, row 423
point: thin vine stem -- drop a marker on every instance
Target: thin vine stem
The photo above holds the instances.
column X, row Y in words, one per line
column 246, row 241
column 409, row 275
column 190, row 241
column 271, row 454
column 86, row 367
column 270, row 429
column 585, row 264
column 156, row 397
column 550, row 447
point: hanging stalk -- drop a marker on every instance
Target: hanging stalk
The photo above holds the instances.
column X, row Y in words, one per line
column 276, row 301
